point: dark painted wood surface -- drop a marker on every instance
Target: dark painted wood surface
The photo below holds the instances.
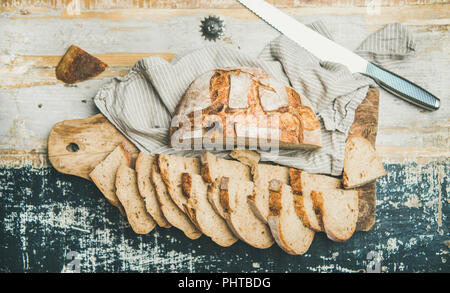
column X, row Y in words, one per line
column 46, row 215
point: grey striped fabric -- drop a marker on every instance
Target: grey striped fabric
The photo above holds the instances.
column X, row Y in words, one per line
column 140, row 104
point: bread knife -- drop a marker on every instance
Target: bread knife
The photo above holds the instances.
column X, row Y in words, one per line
column 327, row 50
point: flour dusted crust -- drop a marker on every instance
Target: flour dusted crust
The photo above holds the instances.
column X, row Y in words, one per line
column 245, row 103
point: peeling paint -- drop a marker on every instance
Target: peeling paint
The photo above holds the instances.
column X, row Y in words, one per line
column 47, row 214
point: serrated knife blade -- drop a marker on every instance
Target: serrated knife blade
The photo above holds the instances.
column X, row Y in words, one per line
column 327, row 50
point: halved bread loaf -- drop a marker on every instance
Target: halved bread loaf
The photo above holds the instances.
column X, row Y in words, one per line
column 361, row 163
column 201, row 212
column 172, row 213
column 239, row 216
column 171, row 167
column 128, row 194
column 262, row 175
column 338, row 210
column 214, row 167
column 302, row 184
column 144, row 165
column 104, row 174
column 286, row 226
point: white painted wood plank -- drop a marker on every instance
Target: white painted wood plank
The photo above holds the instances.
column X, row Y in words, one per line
column 25, row 126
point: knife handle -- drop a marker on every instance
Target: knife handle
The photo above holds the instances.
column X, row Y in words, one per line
column 402, row 88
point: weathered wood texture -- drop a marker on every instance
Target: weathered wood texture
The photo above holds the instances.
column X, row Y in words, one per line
column 179, row 4
column 32, row 100
column 77, row 146
column 46, row 214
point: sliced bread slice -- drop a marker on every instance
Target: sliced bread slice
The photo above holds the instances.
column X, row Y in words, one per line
column 246, row 157
column 286, row 226
column 172, row 213
column 212, row 168
column 104, row 174
column 238, row 214
column 144, row 165
column 262, row 175
column 302, row 184
column 201, row 212
column 171, row 167
column 127, row 192
column 338, row 210
column 361, row 163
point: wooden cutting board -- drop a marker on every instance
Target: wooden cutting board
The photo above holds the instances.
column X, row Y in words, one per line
column 75, row 147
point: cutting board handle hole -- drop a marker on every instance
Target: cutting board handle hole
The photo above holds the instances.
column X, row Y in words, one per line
column 72, row 147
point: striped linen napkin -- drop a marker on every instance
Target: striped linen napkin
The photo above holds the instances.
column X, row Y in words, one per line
column 140, row 104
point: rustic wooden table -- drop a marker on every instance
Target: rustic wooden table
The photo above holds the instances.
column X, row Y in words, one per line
column 48, row 219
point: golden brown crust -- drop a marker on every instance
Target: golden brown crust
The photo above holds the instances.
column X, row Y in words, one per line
column 296, row 121
column 275, row 205
column 317, row 199
column 78, row 65
column 186, row 184
column 224, row 196
column 206, row 174
column 300, row 210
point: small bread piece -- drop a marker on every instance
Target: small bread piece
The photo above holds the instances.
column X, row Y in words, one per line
column 78, row 65
column 262, row 175
column 171, row 167
column 246, row 157
column 338, row 210
column 144, row 165
column 286, row 226
column 202, row 213
column 361, row 163
column 128, row 194
column 240, row 218
column 302, row 184
column 212, row 168
column 172, row 213
column 104, row 174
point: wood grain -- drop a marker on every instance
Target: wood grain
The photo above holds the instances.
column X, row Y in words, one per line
column 75, row 147
column 187, row 4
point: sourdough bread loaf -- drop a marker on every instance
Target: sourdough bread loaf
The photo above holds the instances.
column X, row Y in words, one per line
column 262, row 175
column 127, row 192
column 361, row 163
column 171, row 167
column 104, row 174
column 240, row 218
column 302, row 184
column 214, row 167
column 286, row 226
column 338, row 210
column 144, row 164
column 244, row 106
column 202, row 213
column 174, row 215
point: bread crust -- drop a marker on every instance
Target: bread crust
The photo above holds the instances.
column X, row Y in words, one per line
column 96, row 178
column 277, row 227
column 202, row 213
column 319, row 204
column 270, row 104
column 241, row 230
column 171, row 211
column 144, row 165
column 78, row 65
